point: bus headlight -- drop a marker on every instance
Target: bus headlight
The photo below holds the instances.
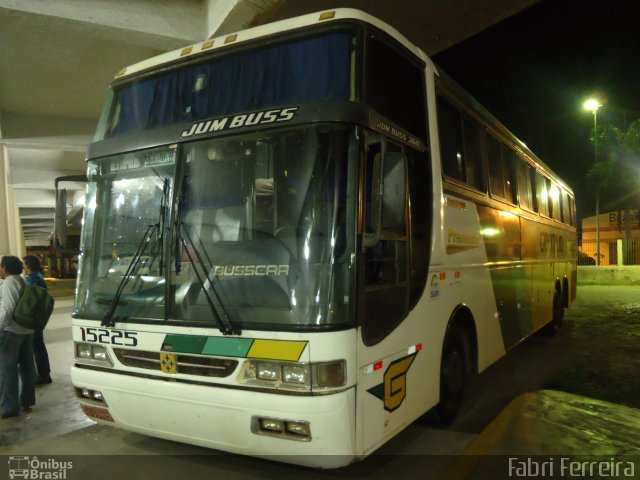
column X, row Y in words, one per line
column 83, row 351
column 268, row 371
column 294, row 376
column 92, row 354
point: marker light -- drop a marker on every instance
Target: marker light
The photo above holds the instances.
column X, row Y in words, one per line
column 298, row 430
column 87, row 394
column 330, row 374
column 327, row 15
column 272, row 425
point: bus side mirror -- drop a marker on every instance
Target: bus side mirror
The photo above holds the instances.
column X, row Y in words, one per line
column 60, row 225
column 386, row 197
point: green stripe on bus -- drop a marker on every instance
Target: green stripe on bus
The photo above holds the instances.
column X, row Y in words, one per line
column 227, row 347
column 184, row 343
column 511, row 287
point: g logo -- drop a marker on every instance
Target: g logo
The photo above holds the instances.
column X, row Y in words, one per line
column 395, row 382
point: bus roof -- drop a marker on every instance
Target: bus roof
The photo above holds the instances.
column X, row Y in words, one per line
column 225, row 41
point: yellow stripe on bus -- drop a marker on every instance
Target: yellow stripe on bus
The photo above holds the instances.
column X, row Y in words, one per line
column 277, row 349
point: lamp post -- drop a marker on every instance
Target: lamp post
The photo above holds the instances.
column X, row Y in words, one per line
column 593, row 105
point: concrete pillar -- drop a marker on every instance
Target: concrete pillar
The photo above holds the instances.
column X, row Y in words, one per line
column 227, row 16
column 16, row 232
column 620, row 252
column 11, row 236
column 5, row 245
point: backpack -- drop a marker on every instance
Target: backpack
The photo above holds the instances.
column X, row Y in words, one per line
column 33, row 308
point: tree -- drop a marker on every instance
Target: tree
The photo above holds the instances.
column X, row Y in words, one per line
column 615, row 177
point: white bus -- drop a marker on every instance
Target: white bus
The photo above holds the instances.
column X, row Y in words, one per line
column 302, row 237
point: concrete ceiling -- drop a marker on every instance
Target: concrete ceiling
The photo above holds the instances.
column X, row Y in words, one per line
column 59, row 56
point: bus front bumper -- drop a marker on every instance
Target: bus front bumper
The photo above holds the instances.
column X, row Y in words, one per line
column 224, row 418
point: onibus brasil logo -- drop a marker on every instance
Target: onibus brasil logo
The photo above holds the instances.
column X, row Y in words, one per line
column 36, row 469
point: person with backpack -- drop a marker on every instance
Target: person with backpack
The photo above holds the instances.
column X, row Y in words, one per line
column 16, row 344
column 33, row 275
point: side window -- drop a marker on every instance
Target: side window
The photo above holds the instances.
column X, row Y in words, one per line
column 502, row 174
column 395, row 86
column 509, row 159
column 494, row 156
column 573, row 211
column 562, row 207
column 473, row 140
column 556, row 207
column 524, row 185
column 567, row 209
column 451, row 147
column 534, row 189
column 552, row 192
column 542, row 194
column 461, row 145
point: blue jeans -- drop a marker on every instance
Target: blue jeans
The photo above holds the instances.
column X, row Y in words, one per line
column 43, row 369
column 16, row 362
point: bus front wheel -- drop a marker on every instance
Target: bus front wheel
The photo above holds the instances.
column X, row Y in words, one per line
column 453, row 373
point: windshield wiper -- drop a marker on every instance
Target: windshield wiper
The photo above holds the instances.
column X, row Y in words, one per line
column 161, row 222
column 108, row 320
column 158, row 228
column 225, row 325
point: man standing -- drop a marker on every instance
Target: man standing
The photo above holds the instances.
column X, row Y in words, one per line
column 33, row 274
column 16, row 345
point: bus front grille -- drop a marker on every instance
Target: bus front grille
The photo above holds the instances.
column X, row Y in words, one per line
column 185, row 364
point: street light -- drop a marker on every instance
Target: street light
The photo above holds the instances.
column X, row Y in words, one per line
column 593, row 105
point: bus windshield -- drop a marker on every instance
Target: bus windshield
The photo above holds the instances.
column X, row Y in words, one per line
column 124, row 227
column 260, row 231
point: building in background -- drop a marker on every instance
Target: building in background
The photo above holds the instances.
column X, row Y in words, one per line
column 613, row 250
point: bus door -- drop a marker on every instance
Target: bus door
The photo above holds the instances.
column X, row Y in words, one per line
column 383, row 286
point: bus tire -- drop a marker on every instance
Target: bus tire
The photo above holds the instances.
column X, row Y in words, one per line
column 453, row 375
column 557, row 317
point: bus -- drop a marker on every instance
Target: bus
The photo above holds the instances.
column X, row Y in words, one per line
column 300, row 238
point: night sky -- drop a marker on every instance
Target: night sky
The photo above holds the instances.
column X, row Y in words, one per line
column 534, row 70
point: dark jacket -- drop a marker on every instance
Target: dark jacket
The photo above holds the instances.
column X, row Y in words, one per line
column 36, row 278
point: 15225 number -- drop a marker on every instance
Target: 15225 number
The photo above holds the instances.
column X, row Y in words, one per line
column 111, row 337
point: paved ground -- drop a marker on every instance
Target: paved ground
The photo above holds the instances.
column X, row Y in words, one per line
column 56, row 410
column 595, row 354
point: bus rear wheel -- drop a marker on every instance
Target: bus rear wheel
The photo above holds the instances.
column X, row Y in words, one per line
column 453, row 375
column 557, row 315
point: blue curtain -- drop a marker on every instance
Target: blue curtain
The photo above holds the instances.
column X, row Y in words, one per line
column 314, row 69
